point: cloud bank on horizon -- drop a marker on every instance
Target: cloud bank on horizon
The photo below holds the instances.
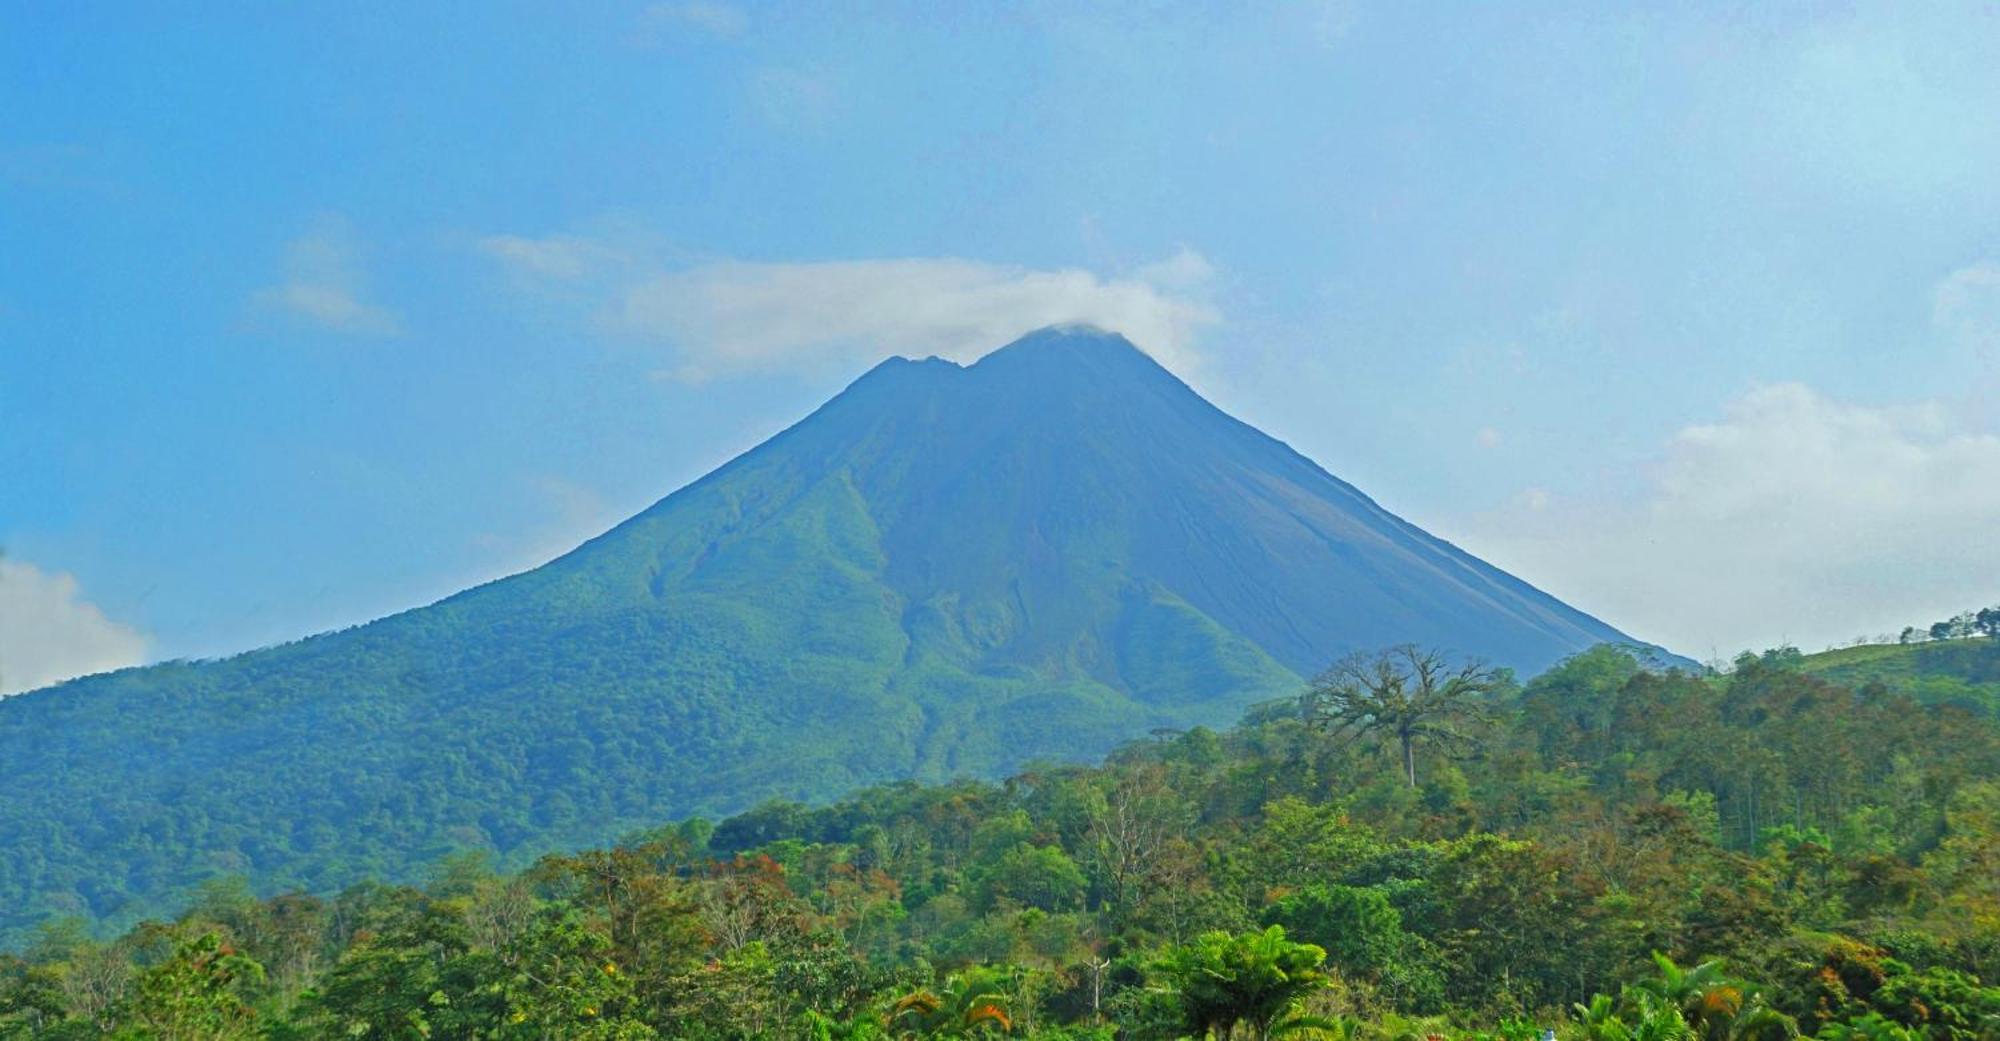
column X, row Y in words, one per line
column 1790, row 518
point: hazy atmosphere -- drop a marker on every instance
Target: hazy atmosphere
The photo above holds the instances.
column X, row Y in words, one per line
column 1689, row 316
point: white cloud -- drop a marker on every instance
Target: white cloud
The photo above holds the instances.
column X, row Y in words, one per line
column 1965, row 306
column 562, row 257
column 716, row 19
column 324, row 286
column 1488, row 437
column 797, row 101
column 49, row 633
column 735, row 317
column 1186, row 271
column 1793, row 518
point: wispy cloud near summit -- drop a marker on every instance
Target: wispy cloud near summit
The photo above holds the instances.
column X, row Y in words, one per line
column 734, row 317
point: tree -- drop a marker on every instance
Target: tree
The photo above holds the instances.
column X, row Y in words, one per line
column 1033, row 876
column 195, row 995
column 1717, row 1006
column 411, row 979
column 1359, row 928
column 31, row 999
column 1406, row 694
column 1871, row 1027
column 565, row 986
column 970, row 1004
column 1639, row 1017
column 94, row 977
column 1259, row 981
column 1988, row 620
column 1128, row 824
column 1573, row 708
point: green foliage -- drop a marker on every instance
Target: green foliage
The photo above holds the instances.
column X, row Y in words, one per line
column 1961, row 672
column 973, row 1003
column 32, row 1001
column 199, row 993
column 1258, row 980
column 1042, row 877
column 1640, row 1016
column 1363, row 935
column 1716, row 1006
column 1805, row 859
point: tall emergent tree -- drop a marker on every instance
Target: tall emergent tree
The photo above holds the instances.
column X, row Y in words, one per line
column 1407, row 694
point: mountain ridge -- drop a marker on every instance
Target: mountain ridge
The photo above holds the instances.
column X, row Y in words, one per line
column 942, row 570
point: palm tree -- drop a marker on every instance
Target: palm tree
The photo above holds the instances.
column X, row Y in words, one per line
column 970, row 1003
column 1641, row 1017
column 1706, row 984
column 1405, row 694
column 1258, row 981
column 1717, row 1006
column 863, row 1027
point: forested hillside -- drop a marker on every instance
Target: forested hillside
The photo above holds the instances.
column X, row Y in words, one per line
column 1963, row 672
column 945, row 571
column 1606, row 851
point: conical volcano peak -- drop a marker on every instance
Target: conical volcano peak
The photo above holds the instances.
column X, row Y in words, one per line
column 1059, row 351
column 1067, row 340
column 943, row 571
column 1052, row 352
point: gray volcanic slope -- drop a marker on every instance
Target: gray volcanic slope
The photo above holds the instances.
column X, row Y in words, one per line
column 943, row 570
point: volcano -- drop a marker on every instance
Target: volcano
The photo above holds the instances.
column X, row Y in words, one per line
column 945, row 570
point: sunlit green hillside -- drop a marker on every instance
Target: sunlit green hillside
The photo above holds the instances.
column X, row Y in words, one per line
column 1961, row 672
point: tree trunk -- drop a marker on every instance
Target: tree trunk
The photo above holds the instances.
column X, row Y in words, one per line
column 1409, row 759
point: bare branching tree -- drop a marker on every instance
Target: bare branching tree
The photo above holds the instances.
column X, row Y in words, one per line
column 1410, row 695
column 1129, row 823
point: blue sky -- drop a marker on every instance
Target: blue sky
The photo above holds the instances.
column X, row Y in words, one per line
column 312, row 312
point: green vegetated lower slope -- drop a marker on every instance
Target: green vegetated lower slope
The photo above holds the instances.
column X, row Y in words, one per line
column 944, row 571
column 1960, row 672
column 783, row 666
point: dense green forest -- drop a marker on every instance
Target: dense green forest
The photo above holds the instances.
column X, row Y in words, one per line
column 1605, row 851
